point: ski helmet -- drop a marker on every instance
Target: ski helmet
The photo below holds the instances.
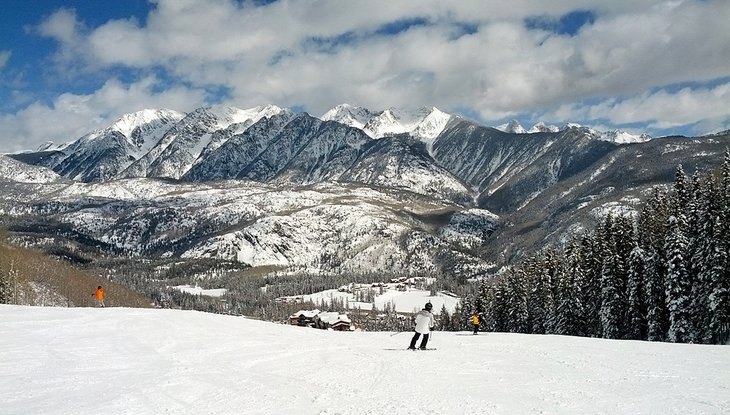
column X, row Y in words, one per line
column 429, row 306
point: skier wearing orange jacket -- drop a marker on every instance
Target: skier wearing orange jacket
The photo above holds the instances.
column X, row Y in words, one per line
column 99, row 295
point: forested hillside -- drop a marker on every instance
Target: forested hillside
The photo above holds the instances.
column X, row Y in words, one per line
column 661, row 275
column 33, row 278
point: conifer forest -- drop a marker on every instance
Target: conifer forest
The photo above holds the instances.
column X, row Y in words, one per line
column 663, row 275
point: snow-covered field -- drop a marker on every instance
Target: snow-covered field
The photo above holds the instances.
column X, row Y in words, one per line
column 196, row 290
column 135, row 361
column 409, row 301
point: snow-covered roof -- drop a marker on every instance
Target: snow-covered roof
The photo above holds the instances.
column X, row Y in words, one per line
column 332, row 317
column 305, row 313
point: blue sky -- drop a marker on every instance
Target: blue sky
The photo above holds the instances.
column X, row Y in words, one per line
column 661, row 67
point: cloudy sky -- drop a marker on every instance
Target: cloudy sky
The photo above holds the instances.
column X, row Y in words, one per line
column 662, row 67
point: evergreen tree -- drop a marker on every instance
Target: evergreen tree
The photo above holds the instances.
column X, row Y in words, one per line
column 590, row 293
column 637, row 307
column 516, row 301
column 570, row 319
column 488, row 320
column 539, row 299
column 613, row 279
column 652, row 222
column 554, row 268
column 457, row 323
column 499, row 306
column 444, row 319
column 719, row 300
column 610, row 311
column 624, row 241
column 681, row 193
column 678, row 284
column 719, row 276
column 704, row 212
column 6, row 292
column 652, row 232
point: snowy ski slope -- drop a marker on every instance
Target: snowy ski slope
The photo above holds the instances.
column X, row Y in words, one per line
column 134, row 361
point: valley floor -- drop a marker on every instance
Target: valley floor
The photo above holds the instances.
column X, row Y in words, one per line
column 135, row 361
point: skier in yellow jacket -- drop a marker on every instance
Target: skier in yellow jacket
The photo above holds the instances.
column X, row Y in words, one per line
column 475, row 322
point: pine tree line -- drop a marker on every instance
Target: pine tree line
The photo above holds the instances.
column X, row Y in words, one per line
column 663, row 275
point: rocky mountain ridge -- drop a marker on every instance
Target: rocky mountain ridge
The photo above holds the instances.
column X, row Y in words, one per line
column 419, row 170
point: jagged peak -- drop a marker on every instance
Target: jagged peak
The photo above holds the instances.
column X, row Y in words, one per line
column 541, row 127
column 623, row 137
column 513, row 127
column 48, row 145
column 226, row 115
column 570, row 125
column 127, row 123
column 424, row 122
column 349, row 115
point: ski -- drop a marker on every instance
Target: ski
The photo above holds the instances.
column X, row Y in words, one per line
column 415, row 350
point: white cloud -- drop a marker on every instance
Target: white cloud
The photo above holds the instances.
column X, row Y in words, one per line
column 659, row 110
column 62, row 26
column 71, row 116
column 266, row 54
column 4, row 57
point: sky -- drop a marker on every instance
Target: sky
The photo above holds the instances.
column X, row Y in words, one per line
column 659, row 67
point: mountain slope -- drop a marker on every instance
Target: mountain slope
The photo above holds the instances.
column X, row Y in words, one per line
column 230, row 158
column 404, row 163
column 488, row 159
column 183, row 144
column 16, row 171
column 614, row 182
column 306, row 150
column 327, row 227
column 104, row 153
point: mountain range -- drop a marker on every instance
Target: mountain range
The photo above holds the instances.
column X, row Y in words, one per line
column 382, row 187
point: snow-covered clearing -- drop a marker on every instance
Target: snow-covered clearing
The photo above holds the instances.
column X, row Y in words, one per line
column 408, row 301
column 196, row 290
column 145, row 361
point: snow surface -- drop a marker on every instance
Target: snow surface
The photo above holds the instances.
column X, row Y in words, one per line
column 13, row 170
column 196, row 290
column 409, row 301
column 146, row 361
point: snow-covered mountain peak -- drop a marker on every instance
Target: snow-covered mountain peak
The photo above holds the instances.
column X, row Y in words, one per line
column 513, row 127
column 425, row 123
column 48, row 145
column 349, row 115
column 128, row 123
column 432, row 125
column 541, row 127
column 622, row 137
column 227, row 115
column 571, row 125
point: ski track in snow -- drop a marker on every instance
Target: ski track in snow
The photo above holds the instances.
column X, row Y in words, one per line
column 134, row 361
